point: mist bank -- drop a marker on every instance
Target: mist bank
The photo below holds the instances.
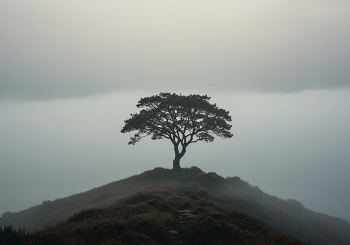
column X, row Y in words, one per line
column 290, row 145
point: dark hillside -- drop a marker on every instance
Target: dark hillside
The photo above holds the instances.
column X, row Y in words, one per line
column 200, row 193
column 50, row 212
column 155, row 218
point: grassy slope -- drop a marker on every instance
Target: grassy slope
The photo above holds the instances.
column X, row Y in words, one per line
column 53, row 211
column 199, row 190
column 157, row 218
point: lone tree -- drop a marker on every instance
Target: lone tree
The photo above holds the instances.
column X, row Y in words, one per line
column 181, row 119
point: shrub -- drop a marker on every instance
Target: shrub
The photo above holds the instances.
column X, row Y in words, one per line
column 11, row 235
column 140, row 197
column 185, row 205
column 6, row 214
column 208, row 229
column 109, row 229
column 199, row 210
column 152, row 224
column 191, row 195
column 203, row 193
column 83, row 214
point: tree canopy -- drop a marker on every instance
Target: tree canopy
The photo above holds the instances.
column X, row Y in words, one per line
column 181, row 119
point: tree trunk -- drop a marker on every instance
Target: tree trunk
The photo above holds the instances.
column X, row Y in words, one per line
column 178, row 156
column 176, row 162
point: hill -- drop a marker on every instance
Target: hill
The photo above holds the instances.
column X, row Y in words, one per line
column 211, row 201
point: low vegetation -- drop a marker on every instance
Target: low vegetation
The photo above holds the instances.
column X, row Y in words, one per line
column 150, row 218
column 184, row 206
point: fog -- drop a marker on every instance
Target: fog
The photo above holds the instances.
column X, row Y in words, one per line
column 72, row 72
column 290, row 145
column 65, row 48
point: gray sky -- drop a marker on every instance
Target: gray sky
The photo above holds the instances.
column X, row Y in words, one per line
column 65, row 48
column 72, row 72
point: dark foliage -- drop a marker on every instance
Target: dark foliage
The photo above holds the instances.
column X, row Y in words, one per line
column 83, row 214
column 11, row 235
column 181, row 119
column 207, row 229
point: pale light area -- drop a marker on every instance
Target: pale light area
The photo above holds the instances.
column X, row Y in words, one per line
column 171, row 24
column 68, row 48
column 290, row 145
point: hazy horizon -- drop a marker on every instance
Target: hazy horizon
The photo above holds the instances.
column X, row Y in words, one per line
column 72, row 72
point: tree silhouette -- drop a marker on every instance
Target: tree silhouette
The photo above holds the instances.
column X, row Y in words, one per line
column 181, row 119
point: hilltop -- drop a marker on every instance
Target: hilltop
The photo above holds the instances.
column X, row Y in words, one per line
column 162, row 197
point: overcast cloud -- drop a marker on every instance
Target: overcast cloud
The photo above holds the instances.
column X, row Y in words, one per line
column 64, row 48
column 72, row 71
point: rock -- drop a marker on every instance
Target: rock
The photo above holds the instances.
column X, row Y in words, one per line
column 174, row 232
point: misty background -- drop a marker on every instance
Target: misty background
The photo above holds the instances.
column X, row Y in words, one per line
column 72, row 72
